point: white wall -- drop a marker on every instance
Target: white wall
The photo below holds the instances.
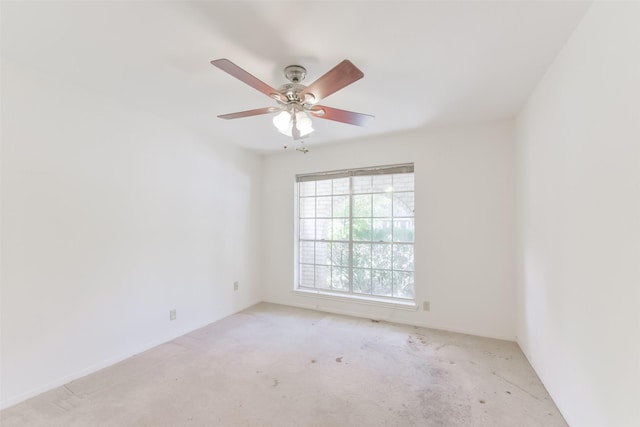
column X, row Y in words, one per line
column 465, row 210
column 110, row 218
column 579, row 221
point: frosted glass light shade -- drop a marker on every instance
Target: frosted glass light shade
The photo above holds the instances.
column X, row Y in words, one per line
column 304, row 124
column 284, row 123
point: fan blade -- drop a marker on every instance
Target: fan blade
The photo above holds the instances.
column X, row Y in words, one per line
column 240, row 74
column 249, row 113
column 335, row 79
column 343, row 116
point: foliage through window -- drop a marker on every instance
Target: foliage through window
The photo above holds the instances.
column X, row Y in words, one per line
column 356, row 231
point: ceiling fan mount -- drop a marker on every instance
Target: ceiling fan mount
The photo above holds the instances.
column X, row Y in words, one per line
column 295, row 73
column 297, row 102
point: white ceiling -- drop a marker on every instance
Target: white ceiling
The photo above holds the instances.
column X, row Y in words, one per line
column 425, row 63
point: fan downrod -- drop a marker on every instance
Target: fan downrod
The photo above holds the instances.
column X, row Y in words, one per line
column 295, row 73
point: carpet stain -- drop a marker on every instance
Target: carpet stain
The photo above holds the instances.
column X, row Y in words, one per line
column 275, row 383
column 313, row 360
column 339, row 359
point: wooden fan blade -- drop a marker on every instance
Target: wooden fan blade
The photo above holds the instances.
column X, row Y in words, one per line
column 335, row 79
column 249, row 113
column 240, row 74
column 343, row 116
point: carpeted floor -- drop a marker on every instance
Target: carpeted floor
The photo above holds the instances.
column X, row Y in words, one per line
column 273, row 365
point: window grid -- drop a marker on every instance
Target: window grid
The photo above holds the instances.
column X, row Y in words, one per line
column 393, row 279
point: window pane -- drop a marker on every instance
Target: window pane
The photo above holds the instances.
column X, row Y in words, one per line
column 323, row 253
column 381, row 256
column 403, row 182
column 403, row 257
column 307, row 188
column 403, row 284
column 307, row 207
column 306, row 252
column 382, row 205
column 323, row 277
column 323, row 207
column 361, row 230
column 403, row 230
column 340, row 279
column 341, row 186
column 381, row 283
column 362, row 280
column 323, row 229
column 361, row 255
column 340, row 229
column 340, row 206
column 362, row 206
column 382, row 230
column 306, row 275
column 382, row 183
column 340, row 254
column 308, row 229
column 403, row 204
column 361, row 184
column 323, row 188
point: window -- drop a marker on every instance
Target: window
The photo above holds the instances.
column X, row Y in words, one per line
column 356, row 232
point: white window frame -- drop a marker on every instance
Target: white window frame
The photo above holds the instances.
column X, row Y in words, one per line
column 349, row 292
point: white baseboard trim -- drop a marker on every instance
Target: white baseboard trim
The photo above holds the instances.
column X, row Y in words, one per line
column 391, row 319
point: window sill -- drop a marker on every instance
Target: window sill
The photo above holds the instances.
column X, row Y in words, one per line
column 366, row 300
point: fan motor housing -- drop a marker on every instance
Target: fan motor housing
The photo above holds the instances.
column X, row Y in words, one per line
column 291, row 91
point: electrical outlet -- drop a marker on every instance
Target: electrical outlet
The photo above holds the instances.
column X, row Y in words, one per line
column 426, row 306
column 235, row 285
column 172, row 314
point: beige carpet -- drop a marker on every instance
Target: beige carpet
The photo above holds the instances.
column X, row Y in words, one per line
column 272, row 365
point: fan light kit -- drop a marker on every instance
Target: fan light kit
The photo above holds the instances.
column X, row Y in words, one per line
column 297, row 103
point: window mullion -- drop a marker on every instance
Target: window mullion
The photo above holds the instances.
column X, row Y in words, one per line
column 315, row 232
column 350, row 234
column 393, row 227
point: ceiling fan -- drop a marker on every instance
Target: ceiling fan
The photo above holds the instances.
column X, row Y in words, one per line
column 297, row 103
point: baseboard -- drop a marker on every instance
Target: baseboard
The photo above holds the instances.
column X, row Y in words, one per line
column 428, row 325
